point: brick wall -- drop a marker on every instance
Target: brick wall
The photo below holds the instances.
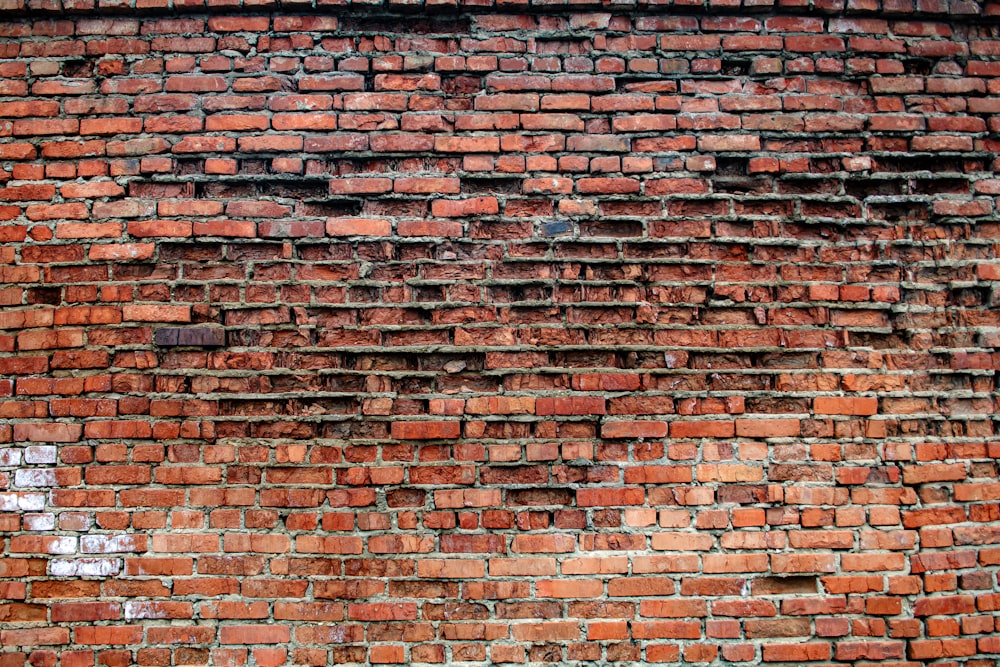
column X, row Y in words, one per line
column 499, row 334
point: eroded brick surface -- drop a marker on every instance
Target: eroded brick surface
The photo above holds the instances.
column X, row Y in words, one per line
column 498, row 334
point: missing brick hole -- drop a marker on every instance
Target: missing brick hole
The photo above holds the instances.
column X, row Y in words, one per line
column 381, row 166
column 736, row 67
column 631, row 84
column 499, row 186
column 396, row 207
column 513, row 294
column 935, row 164
column 918, row 66
column 899, row 212
column 712, row 361
column 143, row 189
column 461, row 85
column 187, row 252
column 825, row 166
column 985, row 30
column 364, row 294
column 253, row 167
column 353, row 383
column 188, row 167
column 969, row 297
column 380, row 362
column 732, row 166
column 240, row 252
column 864, row 188
column 936, row 186
column 611, row 228
column 78, row 69
column 295, row 189
column 568, row 46
column 332, row 209
column 784, row 585
column 51, row 296
column 457, row 251
column 902, row 336
column 235, row 189
column 429, row 293
column 741, row 185
column 223, row 189
column 389, row 25
column 290, row 407
column 451, row 363
column 540, row 497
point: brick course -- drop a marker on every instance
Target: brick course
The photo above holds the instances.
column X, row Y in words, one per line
column 446, row 332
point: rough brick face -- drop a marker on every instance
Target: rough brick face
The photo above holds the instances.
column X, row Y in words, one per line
column 576, row 334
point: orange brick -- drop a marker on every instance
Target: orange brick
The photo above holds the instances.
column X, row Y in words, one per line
column 830, row 405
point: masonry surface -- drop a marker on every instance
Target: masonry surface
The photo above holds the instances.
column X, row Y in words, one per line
column 401, row 334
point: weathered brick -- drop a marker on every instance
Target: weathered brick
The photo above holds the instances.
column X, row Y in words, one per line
column 47, row 432
column 634, row 429
column 358, row 227
column 456, row 208
column 157, row 313
column 845, row 406
column 425, row 430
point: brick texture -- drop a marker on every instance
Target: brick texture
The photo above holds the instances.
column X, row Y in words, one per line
column 529, row 333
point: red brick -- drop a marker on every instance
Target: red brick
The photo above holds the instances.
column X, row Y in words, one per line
column 47, row 432
column 358, row 227
column 456, row 208
column 682, row 608
column 436, row 228
column 238, row 23
column 767, row 428
column 24, row 319
column 607, row 185
column 335, row 82
column 467, row 144
column 634, row 429
column 360, row 185
column 67, row 126
column 845, row 406
column 254, row 634
column 72, row 211
column 121, row 252
column 610, row 497
column 703, row 429
column 159, row 228
column 742, row 142
column 451, row 569
column 157, row 313
column 427, row 185
column 233, row 228
column 400, row 611
column 800, row 652
column 119, row 636
column 546, row 631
